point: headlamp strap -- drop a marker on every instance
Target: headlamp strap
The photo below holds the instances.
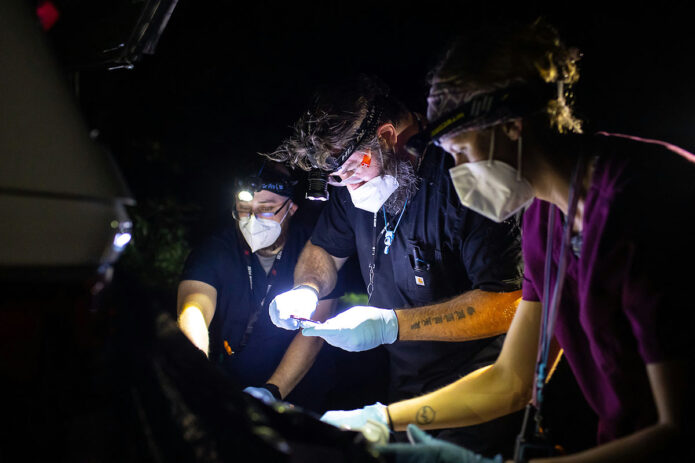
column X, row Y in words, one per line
column 366, row 130
column 488, row 109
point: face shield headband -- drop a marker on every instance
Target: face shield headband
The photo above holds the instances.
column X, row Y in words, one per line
column 482, row 111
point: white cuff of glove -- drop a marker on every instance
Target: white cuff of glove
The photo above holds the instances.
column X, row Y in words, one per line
column 390, row 326
column 357, row 419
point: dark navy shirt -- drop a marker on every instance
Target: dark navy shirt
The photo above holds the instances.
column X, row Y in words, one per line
column 440, row 250
column 221, row 261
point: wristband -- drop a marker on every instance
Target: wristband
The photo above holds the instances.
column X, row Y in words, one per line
column 388, row 416
column 273, row 389
column 308, row 287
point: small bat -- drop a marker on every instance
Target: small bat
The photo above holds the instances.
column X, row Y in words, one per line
column 303, row 319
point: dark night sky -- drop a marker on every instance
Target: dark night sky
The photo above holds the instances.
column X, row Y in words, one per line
column 229, row 77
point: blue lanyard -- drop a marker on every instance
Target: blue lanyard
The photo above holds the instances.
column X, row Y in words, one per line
column 551, row 302
column 388, row 236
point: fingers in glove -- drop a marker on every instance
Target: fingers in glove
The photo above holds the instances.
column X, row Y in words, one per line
column 417, row 435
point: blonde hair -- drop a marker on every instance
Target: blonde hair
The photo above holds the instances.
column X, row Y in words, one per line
column 494, row 57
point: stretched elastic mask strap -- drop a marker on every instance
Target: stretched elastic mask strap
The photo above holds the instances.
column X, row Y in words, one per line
column 381, row 159
column 518, row 159
column 286, row 212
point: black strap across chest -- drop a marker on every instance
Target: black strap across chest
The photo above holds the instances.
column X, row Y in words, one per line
column 253, row 316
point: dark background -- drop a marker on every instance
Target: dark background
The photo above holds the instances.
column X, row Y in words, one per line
column 227, row 80
column 229, row 77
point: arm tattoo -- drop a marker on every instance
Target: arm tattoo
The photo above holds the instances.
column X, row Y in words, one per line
column 425, row 415
column 449, row 317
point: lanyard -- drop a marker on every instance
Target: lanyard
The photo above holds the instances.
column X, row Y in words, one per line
column 372, row 264
column 249, row 269
column 551, row 302
column 253, row 317
column 388, row 240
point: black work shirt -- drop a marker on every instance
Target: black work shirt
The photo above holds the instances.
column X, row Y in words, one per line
column 222, row 262
column 440, row 250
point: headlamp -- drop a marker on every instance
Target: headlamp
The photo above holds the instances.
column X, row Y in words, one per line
column 247, row 188
column 266, row 179
column 486, row 110
column 317, row 189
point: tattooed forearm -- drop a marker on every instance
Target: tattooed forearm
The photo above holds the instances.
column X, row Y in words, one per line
column 472, row 315
column 449, row 317
column 425, row 415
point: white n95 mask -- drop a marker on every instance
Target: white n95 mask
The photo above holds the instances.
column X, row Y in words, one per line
column 373, row 194
column 260, row 233
column 493, row 189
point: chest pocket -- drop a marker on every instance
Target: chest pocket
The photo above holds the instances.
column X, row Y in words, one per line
column 418, row 272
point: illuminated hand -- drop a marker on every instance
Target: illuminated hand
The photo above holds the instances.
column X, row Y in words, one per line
column 357, row 419
column 424, row 448
column 358, row 328
column 300, row 302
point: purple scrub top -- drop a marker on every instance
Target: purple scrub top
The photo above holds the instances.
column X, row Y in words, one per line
column 625, row 300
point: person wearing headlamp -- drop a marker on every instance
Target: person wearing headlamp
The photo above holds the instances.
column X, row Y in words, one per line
column 608, row 216
column 416, row 246
column 228, row 282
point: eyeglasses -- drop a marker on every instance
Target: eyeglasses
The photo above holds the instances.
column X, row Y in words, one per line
column 263, row 213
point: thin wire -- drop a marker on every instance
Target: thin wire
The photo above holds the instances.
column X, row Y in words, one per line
column 518, row 160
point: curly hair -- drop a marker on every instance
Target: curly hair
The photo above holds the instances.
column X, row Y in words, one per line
column 330, row 124
column 488, row 59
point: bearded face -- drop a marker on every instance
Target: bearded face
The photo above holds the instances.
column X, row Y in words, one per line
column 378, row 160
column 404, row 173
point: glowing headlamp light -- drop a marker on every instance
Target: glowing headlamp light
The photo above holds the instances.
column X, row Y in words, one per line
column 248, row 187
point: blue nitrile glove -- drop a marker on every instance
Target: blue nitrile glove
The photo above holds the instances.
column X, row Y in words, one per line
column 300, row 302
column 261, row 393
column 426, row 449
column 358, row 328
column 357, row 419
